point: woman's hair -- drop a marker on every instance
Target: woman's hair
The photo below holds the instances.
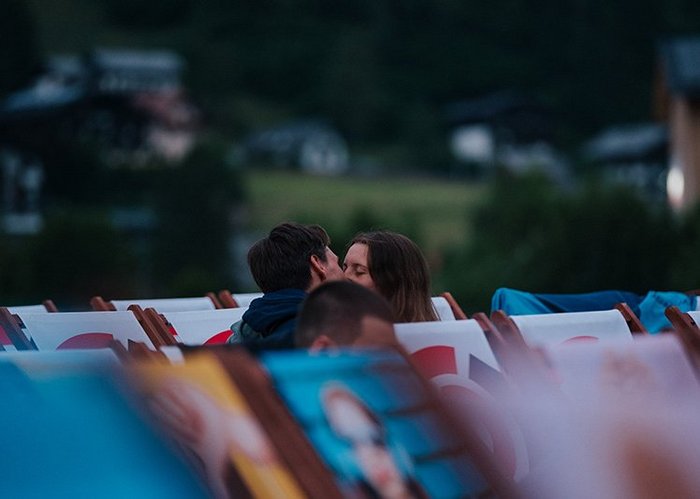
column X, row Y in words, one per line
column 400, row 274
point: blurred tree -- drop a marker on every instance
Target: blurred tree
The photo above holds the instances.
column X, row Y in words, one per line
column 528, row 235
column 77, row 255
column 194, row 206
column 153, row 14
column 19, row 51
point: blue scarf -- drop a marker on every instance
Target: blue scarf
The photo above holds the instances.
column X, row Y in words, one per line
column 274, row 317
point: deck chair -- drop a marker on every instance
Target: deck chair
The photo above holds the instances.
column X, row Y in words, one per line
column 656, row 367
column 48, row 362
column 77, row 434
column 394, row 407
column 46, row 306
column 242, row 446
column 547, row 329
column 202, row 327
column 208, row 302
column 70, row 330
column 235, row 300
column 445, row 347
column 621, row 412
column 457, row 357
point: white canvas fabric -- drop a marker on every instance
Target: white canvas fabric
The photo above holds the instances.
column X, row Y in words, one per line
column 465, row 337
column 244, row 299
column 443, row 308
column 51, row 331
column 168, row 304
column 32, row 309
column 198, row 327
column 549, row 329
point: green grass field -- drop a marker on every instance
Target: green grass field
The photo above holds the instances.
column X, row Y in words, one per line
column 435, row 212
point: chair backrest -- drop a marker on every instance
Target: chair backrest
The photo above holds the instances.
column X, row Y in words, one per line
column 45, row 307
column 548, row 329
column 445, row 347
column 49, row 362
column 202, row 327
column 654, row 367
column 235, row 300
column 430, row 450
column 230, row 441
column 160, row 304
column 70, row 330
column 457, row 357
column 73, row 434
column 41, row 308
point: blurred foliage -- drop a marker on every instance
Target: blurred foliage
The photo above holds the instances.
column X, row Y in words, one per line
column 154, row 14
column 382, row 70
column 77, row 255
column 530, row 235
column 194, row 205
column 19, row 51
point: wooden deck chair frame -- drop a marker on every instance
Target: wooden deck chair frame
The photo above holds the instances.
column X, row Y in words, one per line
column 151, row 328
column 633, row 323
column 226, row 298
column 161, row 327
column 508, row 345
column 688, row 332
column 456, row 309
column 138, row 351
column 12, row 323
column 297, row 453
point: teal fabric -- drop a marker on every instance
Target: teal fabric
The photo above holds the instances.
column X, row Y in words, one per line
column 515, row 302
column 650, row 307
column 653, row 307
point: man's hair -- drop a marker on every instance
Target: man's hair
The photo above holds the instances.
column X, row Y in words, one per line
column 282, row 259
column 336, row 309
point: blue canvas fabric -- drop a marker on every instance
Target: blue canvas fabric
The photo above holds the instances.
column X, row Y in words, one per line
column 426, row 451
column 653, row 307
column 515, row 302
column 650, row 307
column 79, row 435
column 270, row 320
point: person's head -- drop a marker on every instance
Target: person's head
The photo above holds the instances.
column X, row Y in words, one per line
column 395, row 267
column 293, row 256
column 342, row 313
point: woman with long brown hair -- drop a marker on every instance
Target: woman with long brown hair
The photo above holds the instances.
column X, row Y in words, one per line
column 394, row 266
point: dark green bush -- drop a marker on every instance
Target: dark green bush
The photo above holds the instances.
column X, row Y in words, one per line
column 533, row 236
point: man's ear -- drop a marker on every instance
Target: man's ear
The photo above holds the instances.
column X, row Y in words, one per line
column 318, row 267
column 321, row 343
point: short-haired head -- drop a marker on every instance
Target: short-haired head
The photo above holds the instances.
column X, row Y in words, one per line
column 344, row 313
column 282, row 259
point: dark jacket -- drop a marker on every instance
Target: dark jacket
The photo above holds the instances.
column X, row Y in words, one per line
column 270, row 321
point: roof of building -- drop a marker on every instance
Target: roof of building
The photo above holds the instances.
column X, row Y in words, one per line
column 681, row 63
column 628, row 143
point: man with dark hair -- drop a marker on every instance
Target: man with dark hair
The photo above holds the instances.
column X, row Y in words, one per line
column 343, row 313
column 291, row 261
